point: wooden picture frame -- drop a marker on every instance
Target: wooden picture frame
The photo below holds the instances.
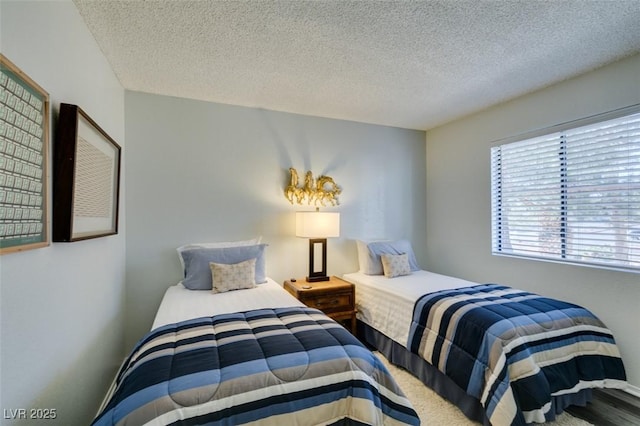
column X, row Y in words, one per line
column 86, row 178
column 24, row 173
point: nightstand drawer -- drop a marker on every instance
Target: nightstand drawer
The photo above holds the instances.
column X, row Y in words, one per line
column 333, row 302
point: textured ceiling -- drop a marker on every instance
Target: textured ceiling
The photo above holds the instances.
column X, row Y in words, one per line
column 411, row 64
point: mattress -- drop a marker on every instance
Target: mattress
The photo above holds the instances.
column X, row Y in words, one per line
column 180, row 303
column 386, row 304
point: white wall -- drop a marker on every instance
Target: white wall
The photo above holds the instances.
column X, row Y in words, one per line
column 199, row 171
column 62, row 306
column 459, row 209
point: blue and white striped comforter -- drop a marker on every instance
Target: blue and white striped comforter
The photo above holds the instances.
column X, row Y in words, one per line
column 514, row 350
column 269, row 366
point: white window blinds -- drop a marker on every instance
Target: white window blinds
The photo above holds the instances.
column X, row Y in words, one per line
column 572, row 195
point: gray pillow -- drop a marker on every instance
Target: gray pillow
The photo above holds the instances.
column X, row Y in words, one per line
column 197, row 269
column 377, row 248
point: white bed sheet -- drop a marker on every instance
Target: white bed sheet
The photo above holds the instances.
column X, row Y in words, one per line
column 180, row 303
column 386, row 304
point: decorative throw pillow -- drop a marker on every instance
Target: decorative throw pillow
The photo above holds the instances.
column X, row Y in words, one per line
column 395, row 265
column 236, row 276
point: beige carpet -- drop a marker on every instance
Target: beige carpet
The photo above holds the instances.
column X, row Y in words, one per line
column 434, row 410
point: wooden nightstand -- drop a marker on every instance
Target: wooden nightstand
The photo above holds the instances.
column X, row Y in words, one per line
column 335, row 297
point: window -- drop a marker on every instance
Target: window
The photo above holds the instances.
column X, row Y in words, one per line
column 571, row 194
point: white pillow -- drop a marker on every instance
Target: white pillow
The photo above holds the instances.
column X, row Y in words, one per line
column 240, row 243
column 395, row 265
column 236, row 276
column 363, row 255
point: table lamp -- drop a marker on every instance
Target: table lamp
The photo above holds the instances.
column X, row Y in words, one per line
column 317, row 226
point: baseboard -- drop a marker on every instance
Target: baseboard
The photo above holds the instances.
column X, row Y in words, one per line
column 633, row 390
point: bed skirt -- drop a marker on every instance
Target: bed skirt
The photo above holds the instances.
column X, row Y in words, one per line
column 443, row 385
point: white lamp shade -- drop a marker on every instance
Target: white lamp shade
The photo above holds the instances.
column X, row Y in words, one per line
column 317, row 224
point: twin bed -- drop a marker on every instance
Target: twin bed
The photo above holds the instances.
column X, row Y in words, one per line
column 259, row 356
column 502, row 355
column 251, row 356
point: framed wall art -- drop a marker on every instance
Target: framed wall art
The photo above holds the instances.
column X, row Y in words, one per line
column 24, row 142
column 86, row 178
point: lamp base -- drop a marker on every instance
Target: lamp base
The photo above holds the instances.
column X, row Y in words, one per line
column 315, row 275
column 317, row 279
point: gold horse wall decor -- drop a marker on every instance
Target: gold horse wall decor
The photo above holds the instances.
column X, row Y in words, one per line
column 322, row 190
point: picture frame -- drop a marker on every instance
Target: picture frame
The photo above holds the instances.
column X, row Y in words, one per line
column 24, row 162
column 86, row 178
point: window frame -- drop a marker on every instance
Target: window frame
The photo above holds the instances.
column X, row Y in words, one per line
column 496, row 228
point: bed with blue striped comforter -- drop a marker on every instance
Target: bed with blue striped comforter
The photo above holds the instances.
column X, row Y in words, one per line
column 269, row 367
column 513, row 350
